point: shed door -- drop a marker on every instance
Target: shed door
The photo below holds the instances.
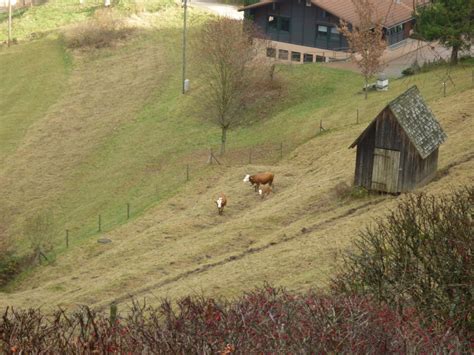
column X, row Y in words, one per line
column 385, row 171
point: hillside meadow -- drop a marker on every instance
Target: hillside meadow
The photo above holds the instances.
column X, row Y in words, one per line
column 86, row 132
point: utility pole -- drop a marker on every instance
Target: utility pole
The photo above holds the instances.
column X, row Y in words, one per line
column 185, row 5
column 9, row 22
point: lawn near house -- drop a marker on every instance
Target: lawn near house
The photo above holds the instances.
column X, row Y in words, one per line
column 110, row 127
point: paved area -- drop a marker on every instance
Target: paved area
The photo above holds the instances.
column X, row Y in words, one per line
column 220, row 9
column 404, row 55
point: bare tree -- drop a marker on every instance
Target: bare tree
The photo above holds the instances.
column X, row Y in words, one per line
column 233, row 69
column 39, row 231
column 366, row 39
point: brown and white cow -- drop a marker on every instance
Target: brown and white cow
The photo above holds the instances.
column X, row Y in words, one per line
column 221, row 202
column 264, row 191
column 259, row 179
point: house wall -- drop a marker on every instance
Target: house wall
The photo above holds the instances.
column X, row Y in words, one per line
column 303, row 28
column 386, row 133
column 398, row 32
column 304, row 22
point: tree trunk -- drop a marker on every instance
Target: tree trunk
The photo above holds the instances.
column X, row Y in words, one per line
column 366, row 86
column 454, row 55
column 223, row 139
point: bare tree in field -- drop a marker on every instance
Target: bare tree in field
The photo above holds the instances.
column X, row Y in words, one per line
column 366, row 39
column 39, row 231
column 233, row 70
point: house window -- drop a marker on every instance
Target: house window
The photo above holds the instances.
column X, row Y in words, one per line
column 320, row 59
column 271, row 52
column 283, row 54
column 285, row 24
column 273, row 23
column 307, row 58
column 295, row 56
column 321, row 36
column 335, row 38
column 396, row 29
column 322, row 30
column 278, row 23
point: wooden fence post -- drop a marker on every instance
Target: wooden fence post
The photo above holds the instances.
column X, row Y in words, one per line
column 210, row 156
column 128, row 210
column 100, row 223
column 357, row 121
column 67, row 238
column 113, row 313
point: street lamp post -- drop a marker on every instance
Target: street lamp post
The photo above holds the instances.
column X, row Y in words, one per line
column 9, row 22
column 185, row 5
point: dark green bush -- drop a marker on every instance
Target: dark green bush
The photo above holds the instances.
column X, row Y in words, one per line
column 408, row 71
column 10, row 266
column 420, row 256
column 344, row 191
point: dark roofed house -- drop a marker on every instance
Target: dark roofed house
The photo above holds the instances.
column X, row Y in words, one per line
column 306, row 30
column 398, row 151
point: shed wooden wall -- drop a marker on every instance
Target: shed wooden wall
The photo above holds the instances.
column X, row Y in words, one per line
column 365, row 159
column 386, row 133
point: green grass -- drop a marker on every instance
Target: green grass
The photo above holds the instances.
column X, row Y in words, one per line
column 140, row 136
column 34, row 22
column 32, row 79
column 85, row 133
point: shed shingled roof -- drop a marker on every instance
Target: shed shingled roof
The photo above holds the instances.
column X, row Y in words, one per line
column 417, row 120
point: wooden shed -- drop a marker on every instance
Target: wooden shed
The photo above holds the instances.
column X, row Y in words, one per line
column 398, row 151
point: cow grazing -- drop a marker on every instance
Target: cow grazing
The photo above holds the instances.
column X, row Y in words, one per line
column 264, row 191
column 259, row 179
column 221, row 202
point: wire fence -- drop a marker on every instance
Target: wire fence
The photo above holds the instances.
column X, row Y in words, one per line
column 165, row 179
column 176, row 175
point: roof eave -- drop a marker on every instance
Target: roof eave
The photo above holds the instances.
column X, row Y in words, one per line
column 362, row 135
column 256, row 5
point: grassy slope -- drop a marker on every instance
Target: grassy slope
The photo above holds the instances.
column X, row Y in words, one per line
column 43, row 66
column 121, row 132
column 31, row 22
column 34, row 22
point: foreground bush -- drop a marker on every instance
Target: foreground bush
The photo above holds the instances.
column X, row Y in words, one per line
column 264, row 321
column 420, row 256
